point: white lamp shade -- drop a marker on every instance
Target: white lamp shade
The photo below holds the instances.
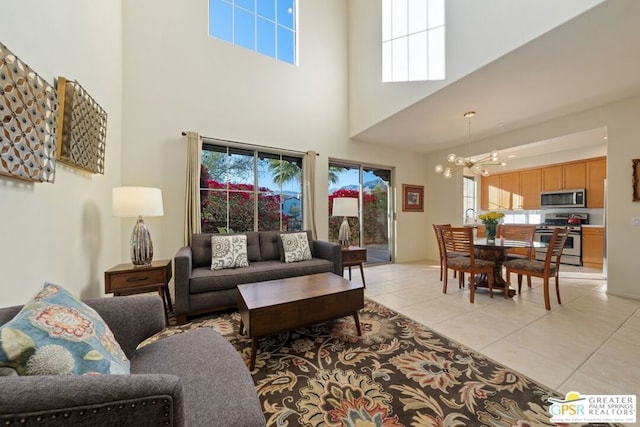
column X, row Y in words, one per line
column 345, row 206
column 137, row 201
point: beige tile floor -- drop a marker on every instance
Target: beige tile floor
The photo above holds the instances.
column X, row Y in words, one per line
column 589, row 344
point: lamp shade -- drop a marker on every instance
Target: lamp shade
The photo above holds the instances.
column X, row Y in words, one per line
column 137, row 201
column 345, row 206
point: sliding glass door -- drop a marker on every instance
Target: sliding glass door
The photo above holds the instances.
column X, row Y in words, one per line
column 371, row 229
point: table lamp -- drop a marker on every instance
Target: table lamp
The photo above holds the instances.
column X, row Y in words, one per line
column 345, row 207
column 132, row 202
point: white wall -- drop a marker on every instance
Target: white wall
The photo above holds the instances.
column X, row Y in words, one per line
column 63, row 232
column 176, row 78
column 623, row 133
column 470, row 44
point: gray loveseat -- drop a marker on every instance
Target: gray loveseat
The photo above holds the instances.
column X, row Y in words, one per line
column 196, row 378
column 199, row 290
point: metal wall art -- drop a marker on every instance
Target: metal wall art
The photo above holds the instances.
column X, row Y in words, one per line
column 82, row 128
column 28, row 120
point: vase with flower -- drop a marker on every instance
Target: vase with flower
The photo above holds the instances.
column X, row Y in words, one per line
column 490, row 221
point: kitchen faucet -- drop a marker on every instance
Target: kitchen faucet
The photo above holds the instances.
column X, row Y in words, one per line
column 467, row 216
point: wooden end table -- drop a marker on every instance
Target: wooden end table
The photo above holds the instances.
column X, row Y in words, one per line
column 274, row 306
column 127, row 279
column 352, row 256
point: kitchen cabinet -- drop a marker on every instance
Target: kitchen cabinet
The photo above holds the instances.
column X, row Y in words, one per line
column 596, row 174
column 592, row 246
column 521, row 189
column 500, row 192
column 569, row 176
column 510, row 198
column 490, row 193
column 530, row 187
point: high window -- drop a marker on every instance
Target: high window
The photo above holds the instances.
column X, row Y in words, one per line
column 249, row 190
column 413, row 40
column 265, row 26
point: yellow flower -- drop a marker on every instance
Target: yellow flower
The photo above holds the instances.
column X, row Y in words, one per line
column 491, row 217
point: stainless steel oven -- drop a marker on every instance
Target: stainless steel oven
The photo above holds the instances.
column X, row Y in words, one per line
column 572, row 253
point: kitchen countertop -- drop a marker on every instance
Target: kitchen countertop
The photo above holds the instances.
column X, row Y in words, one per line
column 592, row 225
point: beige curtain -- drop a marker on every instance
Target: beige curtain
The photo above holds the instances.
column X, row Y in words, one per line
column 309, row 192
column 192, row 188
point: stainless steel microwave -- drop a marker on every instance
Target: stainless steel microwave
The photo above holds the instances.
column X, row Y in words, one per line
column 563, row 199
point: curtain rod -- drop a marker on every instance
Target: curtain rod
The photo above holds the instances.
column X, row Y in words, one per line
column 284, row 150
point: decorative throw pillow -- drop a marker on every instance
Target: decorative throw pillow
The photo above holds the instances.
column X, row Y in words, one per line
column 56, row 334
column 229, row 252
column 295, row 247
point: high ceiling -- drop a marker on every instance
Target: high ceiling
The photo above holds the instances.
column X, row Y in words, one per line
column 592, row 60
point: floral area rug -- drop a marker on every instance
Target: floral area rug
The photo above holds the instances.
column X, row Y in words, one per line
column 399, row 373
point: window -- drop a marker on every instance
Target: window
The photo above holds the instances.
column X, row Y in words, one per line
column 249, row 190
column 413, row 41
column 469, row 198
column 265, row 26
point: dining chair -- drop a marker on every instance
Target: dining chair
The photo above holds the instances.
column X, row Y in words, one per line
column 543, row 269
column 522, row 233
column 459, row 240
column 437, row 228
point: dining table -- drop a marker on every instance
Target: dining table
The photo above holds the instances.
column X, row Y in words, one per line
column 496, row 251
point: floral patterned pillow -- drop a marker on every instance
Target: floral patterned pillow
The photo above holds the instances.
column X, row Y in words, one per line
column 56, row 334
column 295, row 247
column 229, row 252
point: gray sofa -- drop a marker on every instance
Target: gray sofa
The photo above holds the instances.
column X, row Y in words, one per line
column 196, row 378
column 199, row 290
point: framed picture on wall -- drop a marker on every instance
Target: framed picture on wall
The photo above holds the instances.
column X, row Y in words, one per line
column 635, row 179
column 412, row 198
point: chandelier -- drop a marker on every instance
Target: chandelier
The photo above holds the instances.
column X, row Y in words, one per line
column 476, row 167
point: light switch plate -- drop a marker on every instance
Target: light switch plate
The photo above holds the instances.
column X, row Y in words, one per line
column 635, row 220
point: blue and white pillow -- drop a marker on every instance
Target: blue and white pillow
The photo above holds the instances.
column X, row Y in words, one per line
column 56, row 334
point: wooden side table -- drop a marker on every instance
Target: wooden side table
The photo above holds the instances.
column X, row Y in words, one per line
column 352, row 256
column 127, row 279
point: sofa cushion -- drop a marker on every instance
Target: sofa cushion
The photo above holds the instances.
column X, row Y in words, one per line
column 205, row 280
column 295, row 247
column 228, row 252
column 221, row 390
column 201, row 248
column 270, row 243
column 56, row 334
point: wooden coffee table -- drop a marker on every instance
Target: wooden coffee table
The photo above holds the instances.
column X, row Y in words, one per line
column 271, row 307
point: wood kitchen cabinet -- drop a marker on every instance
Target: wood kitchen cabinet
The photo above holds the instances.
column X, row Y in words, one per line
column 521, row 189
column 490, row 193
column 569, row 176
column 596, row 174
column 530, row 187
column 592, row 246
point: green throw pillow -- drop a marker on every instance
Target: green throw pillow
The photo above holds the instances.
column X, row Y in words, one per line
column 56, row 334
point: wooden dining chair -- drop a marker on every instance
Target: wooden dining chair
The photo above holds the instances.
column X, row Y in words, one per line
column 543, row 269
column 437, row 228
column 459, row 240
column 521, row 233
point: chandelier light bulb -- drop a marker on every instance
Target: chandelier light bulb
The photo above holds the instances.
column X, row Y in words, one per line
column 476, row 168
column 451, row 158
column 439, row 168
column 459, row 161
column 503, row 163
column 448, row 173
column 495, row 156
column 485, row 172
